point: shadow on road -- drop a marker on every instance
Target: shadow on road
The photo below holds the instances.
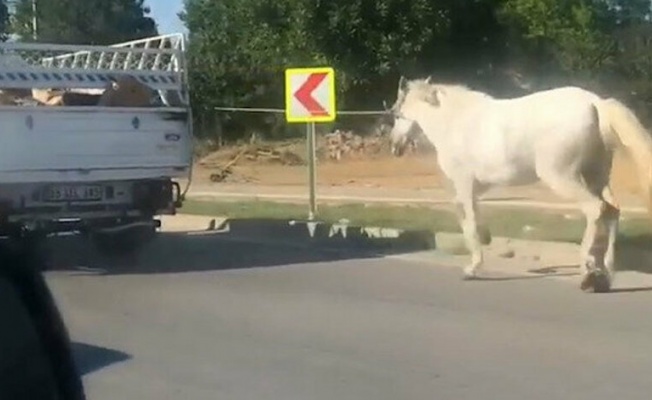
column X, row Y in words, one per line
column 249, row 245
column 633, row 254
column 644, row 289
column 510, row 278
column 625, row 254
column 90, row 358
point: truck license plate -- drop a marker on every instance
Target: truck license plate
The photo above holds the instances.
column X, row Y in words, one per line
column 73, row 193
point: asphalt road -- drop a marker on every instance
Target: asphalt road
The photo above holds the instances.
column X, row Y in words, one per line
column 205, row 318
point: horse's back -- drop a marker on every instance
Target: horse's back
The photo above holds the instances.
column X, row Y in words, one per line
column 523, row 135
column 563, row 127
column 554, row 111
column 563, row 101
column 574, row 92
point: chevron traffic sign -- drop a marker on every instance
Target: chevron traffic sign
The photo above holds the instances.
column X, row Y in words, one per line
column 310, row 94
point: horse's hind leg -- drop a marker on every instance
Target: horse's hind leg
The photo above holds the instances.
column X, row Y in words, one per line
column 596, row 176
column 595, row 242
column 612, row 216
column 595, row 245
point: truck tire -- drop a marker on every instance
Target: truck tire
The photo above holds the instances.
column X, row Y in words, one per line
column 127, row 242
column 34, row 243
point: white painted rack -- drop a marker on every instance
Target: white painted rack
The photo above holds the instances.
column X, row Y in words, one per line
column 158, row 62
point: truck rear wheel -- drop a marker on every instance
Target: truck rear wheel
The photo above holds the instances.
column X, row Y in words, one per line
column 34, row 243
column 123, row 241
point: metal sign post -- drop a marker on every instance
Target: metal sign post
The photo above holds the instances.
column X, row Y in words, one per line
column 312, row 169
column 310, row 98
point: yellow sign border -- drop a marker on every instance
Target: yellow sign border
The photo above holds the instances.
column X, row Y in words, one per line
column 331, row 94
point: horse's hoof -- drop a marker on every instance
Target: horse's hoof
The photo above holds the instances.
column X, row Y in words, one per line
column 595, row 282
column 470, row 276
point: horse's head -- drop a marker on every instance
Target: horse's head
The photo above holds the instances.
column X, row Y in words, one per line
column 414, row 98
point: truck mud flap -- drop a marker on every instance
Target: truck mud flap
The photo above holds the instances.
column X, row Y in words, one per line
column 178, row 198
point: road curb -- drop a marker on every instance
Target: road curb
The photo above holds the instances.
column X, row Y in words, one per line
column 287, row 198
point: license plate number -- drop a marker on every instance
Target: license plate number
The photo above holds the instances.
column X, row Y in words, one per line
column 73, row 193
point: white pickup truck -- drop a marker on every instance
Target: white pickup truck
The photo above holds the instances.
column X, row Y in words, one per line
column 107, row 172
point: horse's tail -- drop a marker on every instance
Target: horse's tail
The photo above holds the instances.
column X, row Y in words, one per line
column 620, row 127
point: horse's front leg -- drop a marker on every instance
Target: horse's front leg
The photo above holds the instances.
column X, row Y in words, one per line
column 467, row 209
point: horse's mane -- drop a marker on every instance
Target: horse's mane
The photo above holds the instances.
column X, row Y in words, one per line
column 458, row 93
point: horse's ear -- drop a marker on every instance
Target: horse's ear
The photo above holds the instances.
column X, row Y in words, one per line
column 429, row 79
column 433, row 97
column 402, row 83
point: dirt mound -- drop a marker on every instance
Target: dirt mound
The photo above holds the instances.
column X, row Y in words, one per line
column 222, row 162
column 260, row 153
column 338, row 146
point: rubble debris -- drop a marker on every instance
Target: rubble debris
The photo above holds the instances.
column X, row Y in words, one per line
column 339, row 144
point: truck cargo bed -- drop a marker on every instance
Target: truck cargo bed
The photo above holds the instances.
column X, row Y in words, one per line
column 76, row 144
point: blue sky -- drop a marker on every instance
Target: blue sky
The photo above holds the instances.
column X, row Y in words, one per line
column 165, row 13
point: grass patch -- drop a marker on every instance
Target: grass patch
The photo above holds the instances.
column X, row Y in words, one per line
column 521, row 223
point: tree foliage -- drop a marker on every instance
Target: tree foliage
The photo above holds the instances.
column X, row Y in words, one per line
column 369, row 39
column 242, row 46
column 4, row 21
column 84, row 21
column 239, row 49
column 568, row 33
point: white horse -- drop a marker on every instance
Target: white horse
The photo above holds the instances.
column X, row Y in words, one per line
column 564, row 137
